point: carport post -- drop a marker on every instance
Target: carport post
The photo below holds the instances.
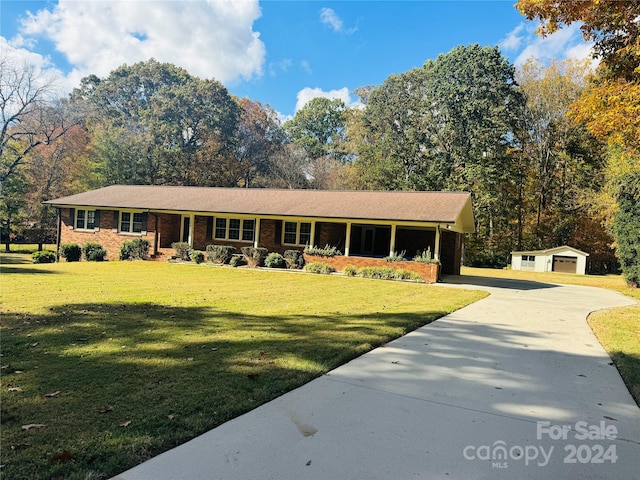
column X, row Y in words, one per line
column 436, row 250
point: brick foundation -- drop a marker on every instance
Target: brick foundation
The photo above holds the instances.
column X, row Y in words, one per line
column 429, row 272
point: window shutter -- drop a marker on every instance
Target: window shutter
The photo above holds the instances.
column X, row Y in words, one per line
column 209, row 227
column 72, row 218
column 145, row 223
column 116, row 221
column 278, row 238
column 97, row 221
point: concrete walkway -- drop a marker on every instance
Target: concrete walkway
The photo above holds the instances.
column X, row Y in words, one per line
column 503, row 389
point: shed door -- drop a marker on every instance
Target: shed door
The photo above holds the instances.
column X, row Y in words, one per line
column 564, row 264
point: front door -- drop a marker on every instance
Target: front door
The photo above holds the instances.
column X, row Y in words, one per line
column 186, row 228
column 368, row 240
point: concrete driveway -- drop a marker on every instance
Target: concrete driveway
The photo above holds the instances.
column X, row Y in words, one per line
column 515, row 386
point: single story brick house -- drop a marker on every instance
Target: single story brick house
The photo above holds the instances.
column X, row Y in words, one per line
column 359, row 223
column 562, row 259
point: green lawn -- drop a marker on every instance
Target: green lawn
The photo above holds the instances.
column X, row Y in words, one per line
column 617, row 329
column 105, row 365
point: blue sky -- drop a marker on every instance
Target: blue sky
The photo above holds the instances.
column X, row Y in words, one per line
column 281, row 53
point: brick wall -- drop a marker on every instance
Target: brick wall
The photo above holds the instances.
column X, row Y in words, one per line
column 111, row 241
column 429, row 272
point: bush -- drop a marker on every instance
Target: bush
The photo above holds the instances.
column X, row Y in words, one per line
column 220, row 253
column 319, row 267
column 196, row 256
column 350, row 271
column 254, row 256
column 275, row 260
column 71, row 252
column 327, row 251
column 182, row 250
column 237, row 260
column 388, row 273
column 294, row 258
column 137, row 249
column 45, row 256
column 93, row 252
column 396, row 257
column 425, row 257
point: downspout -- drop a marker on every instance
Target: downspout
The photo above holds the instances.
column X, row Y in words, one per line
column 155, row 234
column 58, row 232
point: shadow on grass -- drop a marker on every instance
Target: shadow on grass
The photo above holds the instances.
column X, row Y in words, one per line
column 167, row 374
column 11, row 259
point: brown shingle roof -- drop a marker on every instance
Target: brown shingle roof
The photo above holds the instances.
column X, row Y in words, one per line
column 445, row 207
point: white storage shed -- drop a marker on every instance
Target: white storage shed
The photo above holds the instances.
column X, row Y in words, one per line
column 562, row 259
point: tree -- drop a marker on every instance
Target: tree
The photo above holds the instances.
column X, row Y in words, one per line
column 152, row 120
column 31, row 114
column 259, row 136
column 318, row 127
column 289, row 167
column 609, row 108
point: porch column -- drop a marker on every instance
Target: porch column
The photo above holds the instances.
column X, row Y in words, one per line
column 256, row 234
column 436, row 250
column 392, row 243
column 192, row 228
column 347, row 241
column 312, row 237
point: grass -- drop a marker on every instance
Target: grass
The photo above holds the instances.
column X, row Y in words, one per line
column 116, row 362
column 27, row 247
column 617, row 329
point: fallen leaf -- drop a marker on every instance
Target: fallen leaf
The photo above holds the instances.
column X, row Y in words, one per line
column 34, row 344
column 308, row 463
column 33, row 425
column 52, row 394
column 582, row 375
column 125, row 424
column 15, row 389
column 190, row 359
column 106, row 409
column 610, row 418
column 170, row 417
column 253, row 376
column 396, row 362
column 262, row 354
column 65, row 456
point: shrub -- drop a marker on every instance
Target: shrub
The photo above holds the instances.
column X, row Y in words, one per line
column 71, row 252
column 254, row 256
column 388, row 273
column 237, row 260
column 196, row 256
column 319, row 267
column 220, row 253
column 396, row 257
column 275, row 260
column 294, row 258
column 327, row 251
column 350, row 271
column 137, row 249
column 93, row 252
column 45, row 256
column 425, row 256
column 182, row 250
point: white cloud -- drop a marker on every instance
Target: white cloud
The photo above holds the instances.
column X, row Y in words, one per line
column 564, row 43
column 513, row 39
column 306, row 66
column 280, row 66
column 210, row 39
column 329, row 17
column 307, row 94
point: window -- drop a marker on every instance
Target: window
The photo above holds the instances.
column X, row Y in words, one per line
column 85, row 219
column 528, row 261
column 248, row 230
column 234, row 229
column 131, row 222
column 297, row 233
column 221, row 228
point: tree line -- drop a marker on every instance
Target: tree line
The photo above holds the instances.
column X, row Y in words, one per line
column 548, row 163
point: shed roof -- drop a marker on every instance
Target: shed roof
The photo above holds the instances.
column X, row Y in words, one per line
column 550, row 251
column 439, row 207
